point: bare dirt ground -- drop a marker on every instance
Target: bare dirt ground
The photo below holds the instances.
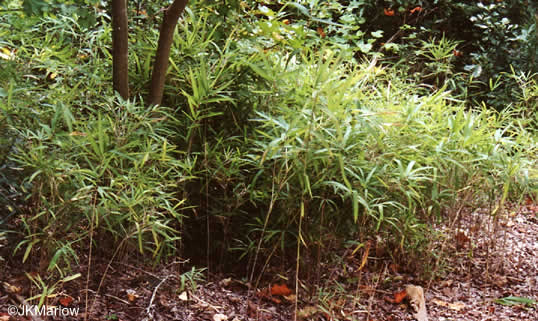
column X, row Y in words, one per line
column 490, row 260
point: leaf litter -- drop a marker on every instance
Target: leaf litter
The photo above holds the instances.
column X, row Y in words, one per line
column 490, row 276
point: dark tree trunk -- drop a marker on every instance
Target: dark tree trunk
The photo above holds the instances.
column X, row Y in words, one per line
column 120, row 56
column 160, row 65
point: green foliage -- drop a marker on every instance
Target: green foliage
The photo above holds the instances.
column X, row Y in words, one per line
column 189, row 280
column 85, row 12
column 88, row 162
column 112, row 170
column 491, row 36
column 275, row 135
column 515, row 300
column 507, row 41
column 47, row 290
column 364, row 149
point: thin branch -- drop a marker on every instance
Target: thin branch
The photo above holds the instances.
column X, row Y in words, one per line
column 148, row 309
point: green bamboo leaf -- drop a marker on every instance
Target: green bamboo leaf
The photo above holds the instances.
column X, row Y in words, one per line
column 100, row 135
column 332, row 23
column 68, row 117
column 71, row 277
column 355, row 206
column 260, row 72
column 515, row 300
column 300, row 7
column 27, row 252
column 54, row 259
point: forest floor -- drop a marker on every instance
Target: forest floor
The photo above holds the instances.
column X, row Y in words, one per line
column 489, row 261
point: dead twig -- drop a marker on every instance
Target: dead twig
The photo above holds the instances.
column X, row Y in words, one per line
column 207, row 304
column 149, row 311
column 119, row 299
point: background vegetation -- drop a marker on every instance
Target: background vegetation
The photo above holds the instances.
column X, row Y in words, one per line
column 286, row 129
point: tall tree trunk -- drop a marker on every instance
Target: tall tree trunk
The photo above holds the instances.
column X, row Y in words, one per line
column 120, row 55
column 166, row 36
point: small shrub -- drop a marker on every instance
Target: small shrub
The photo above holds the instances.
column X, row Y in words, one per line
column 112, row 173
column 375, row 155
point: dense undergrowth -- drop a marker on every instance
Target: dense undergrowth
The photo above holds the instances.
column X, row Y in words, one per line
column 269, row 147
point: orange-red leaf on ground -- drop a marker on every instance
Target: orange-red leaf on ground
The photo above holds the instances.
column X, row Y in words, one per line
column 416, row 9
column 66, row 301
column 399, row 296
column 388, row 12
column 280, row 290
column 457, row 53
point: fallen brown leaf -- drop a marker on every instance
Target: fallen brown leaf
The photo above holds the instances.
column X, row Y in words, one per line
column 367, row 289
column 365, row 255
column 11, row 288
column 500, row 280
column 453, row 306
column 225, row 282
column 307, row 312
column 446, row 283
column 394, row 268
column 131, row 295
column 264, row 293
column 290, row 298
